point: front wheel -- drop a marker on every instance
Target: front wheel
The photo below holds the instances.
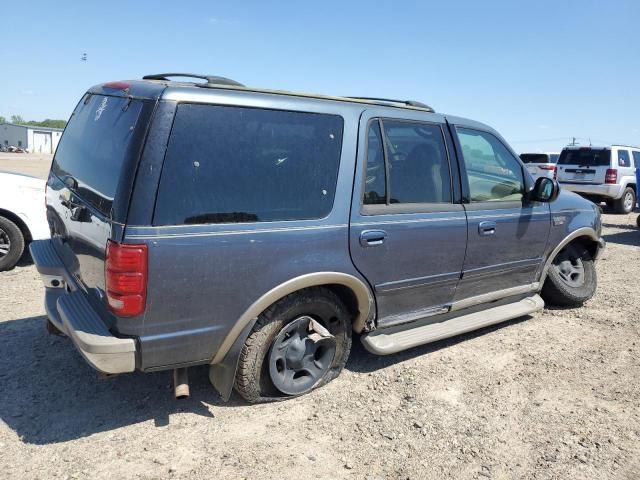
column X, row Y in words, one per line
column 298, row 344
column 627, row 202
column 571, row 279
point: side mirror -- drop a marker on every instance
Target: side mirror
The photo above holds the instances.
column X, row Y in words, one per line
column 545, row 190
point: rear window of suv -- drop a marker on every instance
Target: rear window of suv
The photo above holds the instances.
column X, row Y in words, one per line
column 592, row 157
column 235, row 164
column 534, row 158
column 95, row 145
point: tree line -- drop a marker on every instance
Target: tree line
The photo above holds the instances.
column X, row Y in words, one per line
column 47, row 122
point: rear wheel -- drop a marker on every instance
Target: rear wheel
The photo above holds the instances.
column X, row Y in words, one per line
column 11, row 244
column 300, row 343
column 627, row 202
column 571, row 279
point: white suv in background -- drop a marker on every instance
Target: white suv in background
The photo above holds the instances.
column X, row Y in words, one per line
column 601, row 174
column 541, row 164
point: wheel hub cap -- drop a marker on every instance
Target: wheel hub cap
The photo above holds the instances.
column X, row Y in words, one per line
column 301, row 355
column 570, row 268
column 5, row 243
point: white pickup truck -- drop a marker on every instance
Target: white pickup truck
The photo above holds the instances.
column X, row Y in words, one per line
column 22, row 216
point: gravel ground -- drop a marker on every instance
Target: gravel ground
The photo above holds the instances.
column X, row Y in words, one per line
column 553, row 396
column 34, row 164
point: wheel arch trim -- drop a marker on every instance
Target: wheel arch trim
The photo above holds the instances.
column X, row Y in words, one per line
column 587, row 232
column 361, row 291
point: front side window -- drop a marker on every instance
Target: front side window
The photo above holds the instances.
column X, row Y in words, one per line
column 234, row 164
column 623, row 158
column 493, row 171
column 409, row 166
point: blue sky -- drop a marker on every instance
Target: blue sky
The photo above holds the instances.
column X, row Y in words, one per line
column 539, row 71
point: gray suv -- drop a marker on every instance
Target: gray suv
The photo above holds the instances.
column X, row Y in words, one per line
column 257, row 231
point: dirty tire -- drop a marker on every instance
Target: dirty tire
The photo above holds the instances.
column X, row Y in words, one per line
column 627, row 202
column 11, row 236
column 556, row 291
column 253, row 381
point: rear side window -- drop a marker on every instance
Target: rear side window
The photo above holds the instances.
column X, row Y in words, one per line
column 409, row 166
column 95, row 146
column 534, row 158
column 233, row 164
column 623, row 158
column 636, row 159
column 553, row 157
column 588, row 157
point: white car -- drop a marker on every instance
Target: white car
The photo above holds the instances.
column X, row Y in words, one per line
column 23, row 216
column 601, row 174
column 541, row 164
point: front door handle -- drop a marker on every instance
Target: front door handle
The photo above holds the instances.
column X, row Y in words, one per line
column 372, row 238
column 487, row 228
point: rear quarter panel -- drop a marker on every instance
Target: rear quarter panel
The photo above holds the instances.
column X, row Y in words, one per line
column 202, row 278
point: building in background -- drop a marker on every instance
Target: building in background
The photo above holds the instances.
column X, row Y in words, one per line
column 34, row 139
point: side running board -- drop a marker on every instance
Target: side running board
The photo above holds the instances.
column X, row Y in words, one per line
column 395, row 339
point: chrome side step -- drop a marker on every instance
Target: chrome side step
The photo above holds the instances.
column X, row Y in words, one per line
column 395, row 339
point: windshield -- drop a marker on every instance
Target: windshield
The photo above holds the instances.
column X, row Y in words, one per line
column 94, row 147
column 534, row 158
column 592, row 157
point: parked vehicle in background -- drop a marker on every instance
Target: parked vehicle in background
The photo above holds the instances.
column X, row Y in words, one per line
column 256, row 231
column 540, row 164
column 22, row 216
column 601, row 174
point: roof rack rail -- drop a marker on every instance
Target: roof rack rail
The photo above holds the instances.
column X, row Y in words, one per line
column 410, row 103
column 212, row 80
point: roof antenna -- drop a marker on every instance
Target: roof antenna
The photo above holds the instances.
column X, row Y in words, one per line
column 589, row 141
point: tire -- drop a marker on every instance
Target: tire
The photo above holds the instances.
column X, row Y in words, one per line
column 11, row 244
column 627, row 202
column 638, row 221
column 563, row 289
column 254, row 377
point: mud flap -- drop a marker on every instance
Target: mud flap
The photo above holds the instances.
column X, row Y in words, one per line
column 223, row 374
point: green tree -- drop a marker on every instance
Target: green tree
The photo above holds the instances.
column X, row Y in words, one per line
column 17, row 119
column 2, row 119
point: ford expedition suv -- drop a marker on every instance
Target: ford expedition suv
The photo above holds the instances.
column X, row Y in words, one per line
column 601, row 174
column 258, row 231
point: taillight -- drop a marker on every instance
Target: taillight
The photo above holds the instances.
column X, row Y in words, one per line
column 547, row 167
column 126, row 278
column 611, row 176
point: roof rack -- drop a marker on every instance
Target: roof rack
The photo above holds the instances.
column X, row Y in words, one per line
column 212, row 80
column 410, row 103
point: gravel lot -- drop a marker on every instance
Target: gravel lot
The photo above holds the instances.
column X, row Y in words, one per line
column 556, row 396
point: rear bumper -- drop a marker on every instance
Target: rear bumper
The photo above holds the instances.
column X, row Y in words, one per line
column 613, row 191
column 70, row 311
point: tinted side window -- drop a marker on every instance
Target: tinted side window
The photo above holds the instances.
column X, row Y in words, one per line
column 623, row 158
column 636, row 159
column 418, row 164
column 233, row 164
column 494, row 173
column 375, row 183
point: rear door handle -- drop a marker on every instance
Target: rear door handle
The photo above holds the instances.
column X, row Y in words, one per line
column 487, row 228
column 372, row 238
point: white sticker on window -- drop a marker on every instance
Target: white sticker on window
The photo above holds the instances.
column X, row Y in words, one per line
column 101, row 108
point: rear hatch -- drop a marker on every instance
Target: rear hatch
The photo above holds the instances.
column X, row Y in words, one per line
column 585, row 165
column 90, row 182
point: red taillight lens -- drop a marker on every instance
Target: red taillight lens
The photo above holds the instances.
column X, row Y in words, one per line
column 611, row 176
column 547, row 167
column 126, row 278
